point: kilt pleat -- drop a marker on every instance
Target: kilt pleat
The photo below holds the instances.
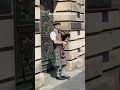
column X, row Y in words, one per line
column 58, row 59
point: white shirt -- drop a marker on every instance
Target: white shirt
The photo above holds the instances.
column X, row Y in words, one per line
column 53, row 35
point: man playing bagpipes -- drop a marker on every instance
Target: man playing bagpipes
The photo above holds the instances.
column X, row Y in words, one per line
column 59, row 39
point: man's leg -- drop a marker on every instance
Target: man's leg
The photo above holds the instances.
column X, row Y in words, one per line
column 57, row 68
column 62, row 72
column 58, row 75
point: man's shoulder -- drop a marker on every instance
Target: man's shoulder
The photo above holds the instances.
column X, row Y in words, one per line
column 52, row 33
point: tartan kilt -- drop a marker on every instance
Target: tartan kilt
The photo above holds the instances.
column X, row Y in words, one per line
column 58, row 60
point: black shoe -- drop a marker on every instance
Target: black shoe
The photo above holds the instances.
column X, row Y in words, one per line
column 66, row 77
column 60, row 78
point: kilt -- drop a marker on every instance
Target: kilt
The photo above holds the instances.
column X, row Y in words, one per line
column 58, row 60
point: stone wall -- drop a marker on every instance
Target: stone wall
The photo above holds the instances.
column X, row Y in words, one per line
column 39, row 76
column 71, row 14
column 7, row 52
column 103, row 49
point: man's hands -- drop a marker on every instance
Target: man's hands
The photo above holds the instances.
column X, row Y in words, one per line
column 65, row 42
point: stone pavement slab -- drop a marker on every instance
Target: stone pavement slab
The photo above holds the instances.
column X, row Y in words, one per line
column 77, row 81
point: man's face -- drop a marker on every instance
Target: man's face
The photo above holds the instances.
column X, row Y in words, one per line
column 57, row 27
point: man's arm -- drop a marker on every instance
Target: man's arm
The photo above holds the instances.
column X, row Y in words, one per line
column 53, row 37
column 59, row 42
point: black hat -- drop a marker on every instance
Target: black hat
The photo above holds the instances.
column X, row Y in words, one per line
column 56, row 23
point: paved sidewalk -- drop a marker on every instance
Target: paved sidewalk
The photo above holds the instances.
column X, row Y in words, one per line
column 77, row 81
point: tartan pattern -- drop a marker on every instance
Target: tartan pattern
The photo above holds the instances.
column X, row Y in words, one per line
column 58, row 60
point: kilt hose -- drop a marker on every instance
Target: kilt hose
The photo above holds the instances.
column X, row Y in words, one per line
column 58, row 59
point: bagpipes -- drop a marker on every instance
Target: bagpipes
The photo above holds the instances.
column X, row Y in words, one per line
column 64, row 35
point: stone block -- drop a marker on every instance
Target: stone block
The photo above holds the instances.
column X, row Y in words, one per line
column 93, row 22
column 67, row 6
column 75, row 64
column 82, row 34
column 106, row 36
column 7, row 64
column 93, row 67
column 72, row 25
column 76, row 34
column 37, row 2
column 113, row 20
column 115, row 38
column 106, row 82
column 80, row 62
column 6, row 33
column 66, row 0
column 82, row 9
column 37, row 53
column 39, row 80
column 110, row 61
column 83, row 41
column 11, row 85
column 81, row 1
column 83, row 26
column 69, row 16
column 82, row 51
column 38, row 66
column 62, row 6
column 74, row 44
column 115, row 56
column 37, row 39
column 102, row 42
column 69, row 66
column 71, row 54
column 37, row 12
